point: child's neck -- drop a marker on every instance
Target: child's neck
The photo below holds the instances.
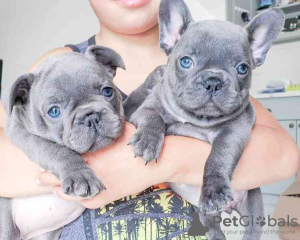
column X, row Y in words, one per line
column 146, row 41
column 140, row 52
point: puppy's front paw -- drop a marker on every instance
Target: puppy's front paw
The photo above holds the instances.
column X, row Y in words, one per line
column 147, row 144
column 82, row 183
column 214, row 196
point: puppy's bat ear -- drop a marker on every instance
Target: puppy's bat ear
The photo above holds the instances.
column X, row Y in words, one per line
column 107, row 58
column 262, row 31
column 19, row 92
column 174, row 19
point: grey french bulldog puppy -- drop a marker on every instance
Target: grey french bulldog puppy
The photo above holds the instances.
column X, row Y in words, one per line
column 67, row 107
column 204, row 94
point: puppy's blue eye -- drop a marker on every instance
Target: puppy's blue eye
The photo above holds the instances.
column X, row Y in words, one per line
column 186, row 62
column 107, row 92
column 242, row 69
column 54, row 112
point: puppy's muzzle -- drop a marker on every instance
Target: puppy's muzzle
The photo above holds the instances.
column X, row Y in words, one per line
column 212, row 85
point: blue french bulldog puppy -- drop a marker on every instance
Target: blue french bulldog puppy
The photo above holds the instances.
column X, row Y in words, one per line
column 203, row 93
column 67, row 107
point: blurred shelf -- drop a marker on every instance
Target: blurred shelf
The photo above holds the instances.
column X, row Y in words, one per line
column 291, row 10
column 286, row 37
column 277, row 95
column 288, row 6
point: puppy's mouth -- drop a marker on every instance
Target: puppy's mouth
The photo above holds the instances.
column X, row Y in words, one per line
column 214, row 105
column 217, row 106
column 209, row 110
column 97, row 145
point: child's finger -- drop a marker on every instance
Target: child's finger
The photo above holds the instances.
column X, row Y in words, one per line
column 47, row 179
column 58, row 192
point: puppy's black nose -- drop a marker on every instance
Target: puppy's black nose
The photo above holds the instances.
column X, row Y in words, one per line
column 91, row 119
column 213, row 85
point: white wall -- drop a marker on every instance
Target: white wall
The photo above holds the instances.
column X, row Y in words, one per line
column 30, row 28
column 207, row 9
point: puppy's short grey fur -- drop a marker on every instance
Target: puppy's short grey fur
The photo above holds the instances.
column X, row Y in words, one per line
column 208, row 101
column 89, row 120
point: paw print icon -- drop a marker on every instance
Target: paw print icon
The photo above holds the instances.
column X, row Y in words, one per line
column 261, row 221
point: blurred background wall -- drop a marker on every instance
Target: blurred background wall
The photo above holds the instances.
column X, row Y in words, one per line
column 30, row 28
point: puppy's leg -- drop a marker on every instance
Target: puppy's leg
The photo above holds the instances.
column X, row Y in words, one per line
column 138, row 96
column 252, row 205
column 148, row 141
column 215, row 232
column 54, row 235
column 8, row 229
column 226, row 151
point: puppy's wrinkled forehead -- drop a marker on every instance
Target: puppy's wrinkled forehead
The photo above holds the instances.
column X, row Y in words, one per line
column 215, row 41
column 69, row 77
column 69, row 73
